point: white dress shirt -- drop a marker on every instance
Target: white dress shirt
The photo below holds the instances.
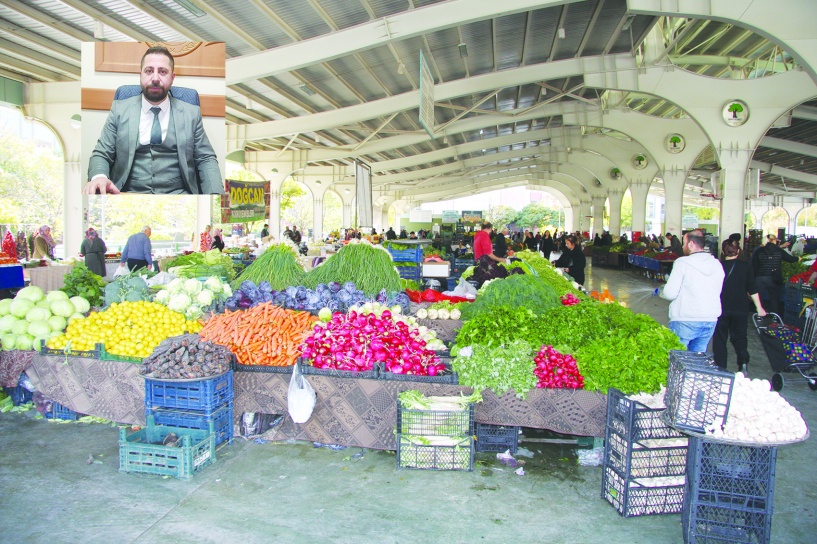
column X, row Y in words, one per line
column 146, row 120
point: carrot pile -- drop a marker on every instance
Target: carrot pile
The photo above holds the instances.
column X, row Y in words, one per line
column 263, row 335
column 602, row 297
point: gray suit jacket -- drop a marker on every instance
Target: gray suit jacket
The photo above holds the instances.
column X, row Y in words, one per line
column 116, row 147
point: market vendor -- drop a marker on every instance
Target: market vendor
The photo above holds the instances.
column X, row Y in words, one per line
column 572, row 259
column 93, row 249
column 44, row 244
column 137, row 251
column 483, row 246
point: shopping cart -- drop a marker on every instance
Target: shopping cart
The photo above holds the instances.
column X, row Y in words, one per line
column 776, row 351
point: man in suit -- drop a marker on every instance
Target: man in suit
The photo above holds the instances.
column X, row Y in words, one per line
column 153, row 143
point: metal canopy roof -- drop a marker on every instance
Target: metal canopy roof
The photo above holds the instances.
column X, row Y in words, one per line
column 40, row 41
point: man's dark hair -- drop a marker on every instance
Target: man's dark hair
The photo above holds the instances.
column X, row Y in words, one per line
column 735, row 237
column 487, row 225
column 158, row 50
column 697, row 238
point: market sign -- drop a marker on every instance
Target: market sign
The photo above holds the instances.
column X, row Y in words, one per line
column 451, row 216
column 245, row 201
column 418, row 215
column 689, row 222
column 472, row 216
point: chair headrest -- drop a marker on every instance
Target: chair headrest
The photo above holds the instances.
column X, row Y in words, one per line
column 185, row 94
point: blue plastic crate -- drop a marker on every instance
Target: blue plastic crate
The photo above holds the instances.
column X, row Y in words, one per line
column 497, row 438
column 19, row 394
column 58, row 411
column 206, row 395
column 414, row 254
column 410, row 272
column 221, row 420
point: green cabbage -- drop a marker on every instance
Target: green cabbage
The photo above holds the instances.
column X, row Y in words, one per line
column 20, row 306
column 81, row 304
column 8, row 341
column 44, row 304
column 6, row 323
column 62, row 307
column 20, row 327
column 76, row 315
column 57, row 323
column 38, row 328
column 4, row 306
column 32, row 293
column 24, row 341
column 53, row 296
column 37, row 314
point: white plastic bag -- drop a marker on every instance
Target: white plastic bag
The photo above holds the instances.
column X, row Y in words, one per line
column 121, row 270
column 301, row 397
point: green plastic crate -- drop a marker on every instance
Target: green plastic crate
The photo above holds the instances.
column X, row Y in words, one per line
column 143, row 452
column 105, row 356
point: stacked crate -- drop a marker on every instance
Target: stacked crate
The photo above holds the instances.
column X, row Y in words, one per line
column 729, row 492
column 435, row 439
column 795, row 298
column 408, row 262
column 497, row 438
column 644, row 460
column 698, row 392
column 458, row 266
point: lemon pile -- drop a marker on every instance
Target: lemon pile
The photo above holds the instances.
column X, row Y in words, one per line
column 132, row 329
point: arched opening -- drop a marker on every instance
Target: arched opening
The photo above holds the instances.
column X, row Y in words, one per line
column 296, row 207
column 776, row 218
column 626, row 212
column 750, row 220
column 806, row 222
column 332, row 213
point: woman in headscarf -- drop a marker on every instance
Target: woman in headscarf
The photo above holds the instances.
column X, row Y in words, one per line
column 22, row 245
column 44, row 244
column 206, row 240
column 93, row 247
column 218, row 241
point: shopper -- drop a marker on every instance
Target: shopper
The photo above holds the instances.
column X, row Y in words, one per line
column 137, row 252
column 483, row 246
column 675, row 244
column 206, row 240
column 93, row 248
column 738, row 290
column 546, row 245
column 44, row 244
column 218, row 241
column 694, row 287
column 572, row 259
column 530, row 241
column 766, row 265
column 500, row 244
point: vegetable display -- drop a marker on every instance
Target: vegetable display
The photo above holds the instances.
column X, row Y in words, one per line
column 502, row 325
column 501, row 368
column 130, row 287
column 369, row 267
column 556, row 370
column 548, row 273
column 264, row 335
column 33, row 316
column 209, row 263
column 278, row 266
column 131, row 329
column 518, row 291
column 191, row 297
column 80, row 281
column 186, row 357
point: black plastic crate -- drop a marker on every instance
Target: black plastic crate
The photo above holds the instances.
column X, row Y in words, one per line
column 308, row 370
column 448, row 376
column 497, row 438
column 731, row 476
column 635, row 422
column 221, row 421
column 414, row 455
column 435, row 422
column 635, row 461
column 633, row 497
column 698, row 392
column 19, row 394
column 707, row 524
column 238, row 367
column 206, row 395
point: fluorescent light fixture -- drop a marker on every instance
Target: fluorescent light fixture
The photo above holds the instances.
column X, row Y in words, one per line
column 191, row 7
column 562, row 33
column 99, row 30
column 306, row 89
column 249, row 103
column 628, row 23
column 463, row 50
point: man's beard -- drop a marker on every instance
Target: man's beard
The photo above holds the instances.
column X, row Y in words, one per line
column 155, row 94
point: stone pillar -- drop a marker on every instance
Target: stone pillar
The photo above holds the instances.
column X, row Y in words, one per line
column 615, row 196
column 317, row 219
column 735, row 165
column 347, row 215
column 639, row 191
column 275, row 213
column 598, row 214
column 674, row 181
column 584, row 212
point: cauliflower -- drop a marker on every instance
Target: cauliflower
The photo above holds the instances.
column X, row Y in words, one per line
column 204, row 298
column 179, row 302
column 214, row 284
column 162, row 297
column 193, row 312
column 175, row 286
column 228, row 291
column 455, row 314
column 192, row 286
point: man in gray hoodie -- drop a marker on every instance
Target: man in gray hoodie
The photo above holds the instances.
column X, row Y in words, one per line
column 694, row 287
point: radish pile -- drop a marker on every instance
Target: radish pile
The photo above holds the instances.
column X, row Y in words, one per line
column 556, row 370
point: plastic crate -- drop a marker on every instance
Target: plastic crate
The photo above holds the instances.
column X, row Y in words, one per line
column 410, row 272
column 497, row 438
column 19, row 394
column 143, row 452
column 448, row 376
column 640, row 497
column 58, row 411
column 731, row 476
column 238, row 367
column 698, row 392
column 206, row 395
column 632, row 460
column 435, row 422
column 105, row 356
column 308, row 370
column 463, row 263
column 704, row 524
column 414, row 254
column 221, row 420
column 426, row 457
column 635, row 422
column 92, row 354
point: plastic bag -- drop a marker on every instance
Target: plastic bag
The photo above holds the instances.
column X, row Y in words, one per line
column 121, row 270
column 301, row 397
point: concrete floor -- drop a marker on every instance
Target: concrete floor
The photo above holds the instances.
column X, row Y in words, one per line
column 294, row 493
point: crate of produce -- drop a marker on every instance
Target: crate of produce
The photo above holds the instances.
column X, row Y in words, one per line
column 152, row 451
column 698, row 392
column 412, row 254
column 104, row 355
column 410, row 272
column 58, row 411
column 448, row 376
column 90, row 354
column 221, row 420
column 731, row 476
column 308, row 370
column 497, row 438
column 19, row 394
column 206, row 395
column 435, row 453
column 635, row 460
column 238, row 367
column 633, row 497
column 463, row 263
column 435, row 422
column 796, row 293
column 634, row 421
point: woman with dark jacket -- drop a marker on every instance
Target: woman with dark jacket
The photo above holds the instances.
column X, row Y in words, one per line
column 218, row 241
column 738, row 289
column 546, row 245
column 500, row 244
column 530, row 242
column 572, row 259
column 766, row 265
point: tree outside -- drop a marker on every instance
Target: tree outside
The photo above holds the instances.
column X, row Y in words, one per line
column 750, row 220
column 626, row 212
column 501, row 216
column 703, row 213
column 171, row 218
column 332, row 212
column 776, row 218
column 296, row 206
column 537, row 216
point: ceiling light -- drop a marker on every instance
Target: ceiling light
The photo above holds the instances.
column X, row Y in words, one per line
column 306, row 89
column 463, row 50
column 191, row 7
column 99, row 30
column 628, row 23
column 249, row 103
column 346, row 191
column 562, row 33
column 317, row 182
column 401, row 68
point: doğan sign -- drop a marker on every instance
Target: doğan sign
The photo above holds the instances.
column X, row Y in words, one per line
column 245, row 202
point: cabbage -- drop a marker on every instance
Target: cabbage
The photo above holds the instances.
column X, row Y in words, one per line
column 175, row 286
column 162, row 297
column 81, row 304
column 214, row 284
column 76, row 316
column 37, row 328
column 37, row 314
column 56, row 295
column 6, row 323
column 57, row 323
column 228, row 291
column 32, row 293
column 193, row 312
column 204, row 298
column 179, row 302
column 62, row 307
column 43, row 304
column 19, row 327
column 24, row 341
column 4, row 306
column 8, row 341
column 192, row 286
column 38, row 341
column 20, row 306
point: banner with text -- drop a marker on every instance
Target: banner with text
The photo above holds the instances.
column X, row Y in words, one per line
column 472, row 216
column 245, row 202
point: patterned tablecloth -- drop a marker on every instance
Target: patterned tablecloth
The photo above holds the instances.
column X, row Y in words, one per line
column 49, row 278
column 350, row 412
column 12, row 364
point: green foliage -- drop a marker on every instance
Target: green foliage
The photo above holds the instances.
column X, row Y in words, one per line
column 80, row 281
column 370, row 267
column 535, row 215
column 502, row 325
column 548, row 273
column 518, row 291
column 501, row 368
column 501, row 216
column 278, row 265
column 792, row 269
column 208, row 263
column 130, row 287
